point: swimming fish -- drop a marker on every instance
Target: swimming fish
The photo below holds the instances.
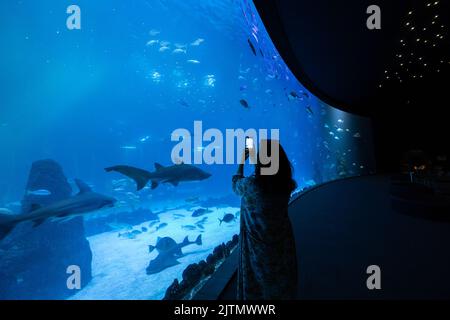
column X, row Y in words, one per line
column 151, row 224
column 200, row 212
column 168, row 251
column 169, row 246
column 179, row 50
column 188, row 227
column 192, row 199
column 152, row 42
column 244, row 71
column 183, row 102
column 193, row 61
column 252, row 47
column 129, row 234
column 83, row 203
column 293, row 96
column 5, row 211
column 309, row 110
column 197, row 42
column 227, row 218
column 244, row 103
column 202, row 220
column 161, row 225
column 40, row 192
column 154, row 32
column 200, row 226
column 163, row 174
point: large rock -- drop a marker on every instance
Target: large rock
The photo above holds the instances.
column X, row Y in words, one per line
column 34, row 260
column 47, row 175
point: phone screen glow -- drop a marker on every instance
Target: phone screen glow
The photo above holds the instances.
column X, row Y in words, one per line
column 249, row 143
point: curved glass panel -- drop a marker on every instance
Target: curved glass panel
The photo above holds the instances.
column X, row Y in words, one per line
column 77, row 101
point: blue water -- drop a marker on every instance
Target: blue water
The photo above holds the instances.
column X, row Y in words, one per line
column 113, row 92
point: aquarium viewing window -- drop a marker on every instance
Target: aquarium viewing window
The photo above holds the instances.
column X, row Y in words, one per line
column 116, row 93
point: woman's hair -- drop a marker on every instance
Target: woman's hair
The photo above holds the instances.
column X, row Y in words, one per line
column 281, row 181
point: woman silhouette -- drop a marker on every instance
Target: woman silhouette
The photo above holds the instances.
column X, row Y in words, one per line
column 267, row 263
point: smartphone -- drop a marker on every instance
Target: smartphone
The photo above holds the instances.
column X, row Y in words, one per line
column 249, row 143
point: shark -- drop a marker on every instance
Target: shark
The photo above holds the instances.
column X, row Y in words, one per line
column 168, row 245
column 170, row 174
column 84, row 202
column 168, row 253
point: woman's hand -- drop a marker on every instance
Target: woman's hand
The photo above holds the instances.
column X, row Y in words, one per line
column 246, row 154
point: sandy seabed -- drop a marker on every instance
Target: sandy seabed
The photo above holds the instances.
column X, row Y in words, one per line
column 118, row 264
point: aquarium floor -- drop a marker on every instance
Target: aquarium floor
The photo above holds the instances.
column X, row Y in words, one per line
column 118, row 265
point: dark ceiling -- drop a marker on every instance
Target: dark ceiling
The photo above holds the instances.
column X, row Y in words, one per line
column 398, row 75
